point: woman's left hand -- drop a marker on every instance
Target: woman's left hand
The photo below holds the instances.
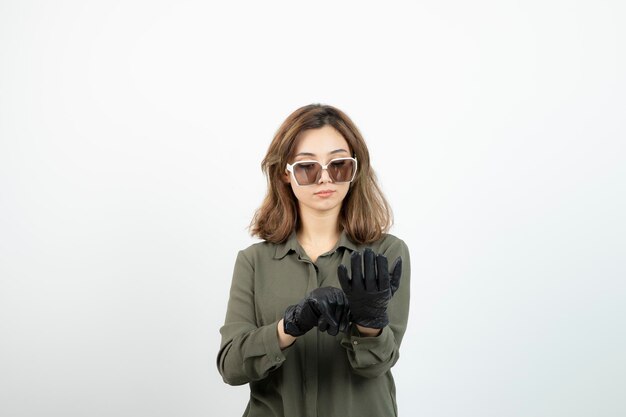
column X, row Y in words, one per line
column 370, row 288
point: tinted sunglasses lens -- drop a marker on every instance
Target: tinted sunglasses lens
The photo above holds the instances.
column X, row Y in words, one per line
column 307, row 173
column 341, row 170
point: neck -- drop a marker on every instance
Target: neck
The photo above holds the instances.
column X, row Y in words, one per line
column 319, row 226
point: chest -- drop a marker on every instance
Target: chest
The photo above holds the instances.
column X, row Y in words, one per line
column 285, row 282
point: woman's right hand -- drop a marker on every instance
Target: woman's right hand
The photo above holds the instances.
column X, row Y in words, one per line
column 326, row 307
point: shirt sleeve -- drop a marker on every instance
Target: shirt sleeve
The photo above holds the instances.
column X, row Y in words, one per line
column 247, row 352
column 373, row 356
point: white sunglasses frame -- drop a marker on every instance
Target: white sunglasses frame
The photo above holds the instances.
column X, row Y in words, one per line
column 324, row 167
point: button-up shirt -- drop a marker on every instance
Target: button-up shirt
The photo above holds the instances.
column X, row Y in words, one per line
column 319, row 374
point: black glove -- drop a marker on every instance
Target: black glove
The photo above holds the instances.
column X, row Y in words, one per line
column 369, row 293
column 326, row 307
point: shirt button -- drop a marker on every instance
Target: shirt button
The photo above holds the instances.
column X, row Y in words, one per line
column 356, row 342
column 277, row 358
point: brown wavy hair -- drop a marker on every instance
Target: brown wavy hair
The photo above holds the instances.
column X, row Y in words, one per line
column 365, row 214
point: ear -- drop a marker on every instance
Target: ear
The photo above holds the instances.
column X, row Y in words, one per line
column 286, row 177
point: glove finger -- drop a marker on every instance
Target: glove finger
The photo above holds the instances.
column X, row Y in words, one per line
column 383, row 272
column 289, row 322
column 357, row 275
column 344, row 280
column 327, row 323
column 369, row 265
column 341, row 311
column 333, row 330
column 322, row 325
column 300, row 318
column 313, row 304
column 344, row 320
column 396, row 274
column 326, row 303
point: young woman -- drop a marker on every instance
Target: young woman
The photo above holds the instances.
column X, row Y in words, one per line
column 316, row 313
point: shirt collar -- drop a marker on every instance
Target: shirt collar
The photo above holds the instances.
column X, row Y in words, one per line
column 291, row 244
column 345, row 242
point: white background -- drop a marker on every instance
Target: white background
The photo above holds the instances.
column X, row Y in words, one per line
column 131, row 136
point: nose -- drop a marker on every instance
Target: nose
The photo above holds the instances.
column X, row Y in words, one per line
column 324, row 177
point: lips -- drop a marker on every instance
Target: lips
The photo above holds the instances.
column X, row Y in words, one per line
column 325, row 192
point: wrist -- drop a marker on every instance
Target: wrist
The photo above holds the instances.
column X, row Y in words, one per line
column 368, row 331
column 284, row 340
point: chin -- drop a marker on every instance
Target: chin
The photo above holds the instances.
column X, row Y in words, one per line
column 325, row 205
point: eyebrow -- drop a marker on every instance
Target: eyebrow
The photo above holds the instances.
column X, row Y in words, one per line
column 330, row 153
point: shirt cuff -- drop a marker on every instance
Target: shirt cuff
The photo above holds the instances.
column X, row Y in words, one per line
column 370, row 350
column 275, row 355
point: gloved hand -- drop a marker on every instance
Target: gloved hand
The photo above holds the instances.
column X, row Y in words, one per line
column 326, row 307
column 369, row 293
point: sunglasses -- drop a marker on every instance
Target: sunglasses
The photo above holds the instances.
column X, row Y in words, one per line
column 309, row 172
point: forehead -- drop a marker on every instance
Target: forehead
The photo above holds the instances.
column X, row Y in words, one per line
column 322, row 141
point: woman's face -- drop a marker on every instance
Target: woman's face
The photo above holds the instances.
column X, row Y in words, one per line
column 320, row 145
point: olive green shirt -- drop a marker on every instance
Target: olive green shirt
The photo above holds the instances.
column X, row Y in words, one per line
column 319, row 374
